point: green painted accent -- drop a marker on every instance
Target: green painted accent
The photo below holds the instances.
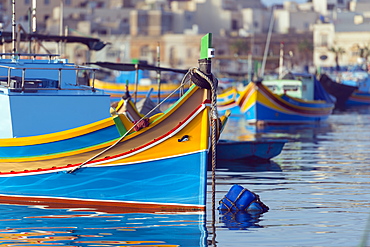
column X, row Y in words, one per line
column 301, row 89
column 206, row 43
column 120, row 127
column 135, row 61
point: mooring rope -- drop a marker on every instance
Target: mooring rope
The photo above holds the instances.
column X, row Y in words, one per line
column 183, row 82
column 214, row 120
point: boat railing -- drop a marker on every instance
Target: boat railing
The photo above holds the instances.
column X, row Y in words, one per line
column 22, row 83
column 32, row 55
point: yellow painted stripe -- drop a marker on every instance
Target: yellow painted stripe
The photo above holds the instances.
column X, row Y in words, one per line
column 198, row 132
column 57, row 136
column 226, row 94
column 59, row 155
column 157, row 119
column 122, row 86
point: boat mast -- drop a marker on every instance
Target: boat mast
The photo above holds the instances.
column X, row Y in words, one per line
column 33, row 16
column 158, row 74
column 267, row 43
column 13, row 29
column 61, row 13
column 281, row 60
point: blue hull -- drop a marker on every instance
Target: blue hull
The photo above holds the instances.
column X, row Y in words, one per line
column 259, row 150
column 260, row 112
column 134, row 183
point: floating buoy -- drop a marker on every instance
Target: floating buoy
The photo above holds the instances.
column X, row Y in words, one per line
column 239, row 198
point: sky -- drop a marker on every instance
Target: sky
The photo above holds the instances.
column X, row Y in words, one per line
column 271, row 2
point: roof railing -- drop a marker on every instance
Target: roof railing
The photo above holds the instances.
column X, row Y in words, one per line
column 59, row 69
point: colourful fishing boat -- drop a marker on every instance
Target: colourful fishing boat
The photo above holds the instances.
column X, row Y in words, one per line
column 116, row 90
column 61, row 143
column 354, row 83
column 284, row 101
column 139, row 87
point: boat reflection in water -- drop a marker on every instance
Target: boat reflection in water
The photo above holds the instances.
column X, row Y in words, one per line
column 36, row 226
column 240, row 220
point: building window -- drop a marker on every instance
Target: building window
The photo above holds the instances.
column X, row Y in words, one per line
column 189, row 53
column 46, row 2
column 26, row 2
column 340, row 2
column 144, row 51
column 324, row 40
column 234, row 25
column 67, row 2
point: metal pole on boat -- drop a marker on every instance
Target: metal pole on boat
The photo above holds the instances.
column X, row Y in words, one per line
column 281, row 60
column 136, row 80
column 61, row 26
column 34, row 16
column 249, row 67
column 13, row 29
column 158, row 74
column 267, row 43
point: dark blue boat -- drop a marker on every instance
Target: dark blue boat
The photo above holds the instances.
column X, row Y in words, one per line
column 249, row 150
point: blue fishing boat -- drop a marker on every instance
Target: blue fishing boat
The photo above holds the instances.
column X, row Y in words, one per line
column 290, row 100
column 62, row 143
column 254, row 150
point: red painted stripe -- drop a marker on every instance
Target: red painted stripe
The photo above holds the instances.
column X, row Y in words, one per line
column 115, row 156
column 101, row 206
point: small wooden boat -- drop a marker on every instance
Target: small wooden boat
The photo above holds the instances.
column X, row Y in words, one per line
column 61, row 143
column 256, row 150
column 285, row 101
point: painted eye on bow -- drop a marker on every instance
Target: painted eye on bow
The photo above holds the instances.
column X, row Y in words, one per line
column 184, row 138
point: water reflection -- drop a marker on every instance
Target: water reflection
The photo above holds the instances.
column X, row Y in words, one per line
column 317, row 189
column 32, row 226
column 238, row 129
column 240, row 220
column 246, row 166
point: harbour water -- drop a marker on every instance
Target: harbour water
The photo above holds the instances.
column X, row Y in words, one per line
column 317, row 189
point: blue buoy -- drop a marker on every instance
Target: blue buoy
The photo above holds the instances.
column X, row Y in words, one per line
column 239, row 198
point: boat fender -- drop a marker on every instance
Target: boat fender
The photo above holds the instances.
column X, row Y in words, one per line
column 239, row 198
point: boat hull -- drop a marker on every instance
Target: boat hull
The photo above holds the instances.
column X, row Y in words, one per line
column 135, row 184
column 340, row 91
column 249, row 150
column 358, row 98
column 162, row 166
